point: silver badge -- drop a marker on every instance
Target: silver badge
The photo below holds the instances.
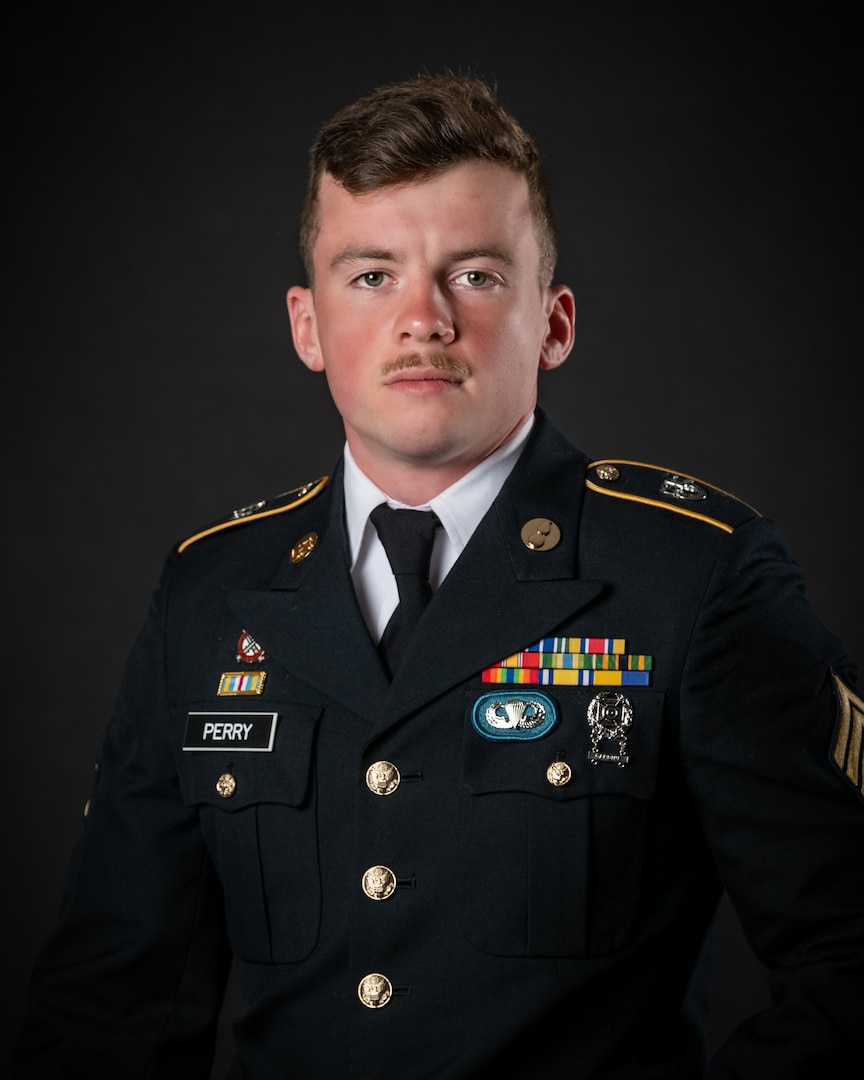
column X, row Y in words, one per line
column 610, row 715
column 246, row 511
column 511, row 719
column 679, row 487
column 515, row 713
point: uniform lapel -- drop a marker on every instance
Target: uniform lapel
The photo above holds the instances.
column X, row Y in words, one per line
column 499, row 597
column 502, row 596
column 308, row 619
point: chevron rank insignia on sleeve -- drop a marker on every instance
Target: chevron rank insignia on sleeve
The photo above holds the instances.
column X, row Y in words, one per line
column 848, row 747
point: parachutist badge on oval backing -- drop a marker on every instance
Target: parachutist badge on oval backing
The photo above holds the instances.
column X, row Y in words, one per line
column 501, row 717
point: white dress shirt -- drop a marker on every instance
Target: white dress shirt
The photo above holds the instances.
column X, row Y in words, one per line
column 459, row 507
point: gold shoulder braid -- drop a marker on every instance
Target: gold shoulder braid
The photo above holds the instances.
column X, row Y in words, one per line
column 279, row 504
column 653, row 485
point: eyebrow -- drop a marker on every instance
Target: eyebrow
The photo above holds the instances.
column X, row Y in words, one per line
column 362, row 254
column 368, row 254
column 492, row 252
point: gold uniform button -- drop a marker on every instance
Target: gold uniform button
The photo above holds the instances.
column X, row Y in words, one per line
column 379, row 883
column 226, row 785
column 540, row 534
column 559, row 773
column 382, row 778
column 375, row 991
column 607, row 472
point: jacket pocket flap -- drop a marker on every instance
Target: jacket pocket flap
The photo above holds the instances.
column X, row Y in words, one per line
column 233, row 759
column 591, row 749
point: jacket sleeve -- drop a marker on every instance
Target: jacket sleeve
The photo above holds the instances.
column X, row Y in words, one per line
column 131, row 981
column 764, row 690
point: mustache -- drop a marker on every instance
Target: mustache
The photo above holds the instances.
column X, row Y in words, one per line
column 438, row 360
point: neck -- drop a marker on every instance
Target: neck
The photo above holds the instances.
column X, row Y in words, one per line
column 411, row 484
column 413, row 481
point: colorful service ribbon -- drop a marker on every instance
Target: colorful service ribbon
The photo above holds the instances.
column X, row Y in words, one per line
column 573, row 661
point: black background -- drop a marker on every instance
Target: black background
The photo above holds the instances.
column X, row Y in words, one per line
column 705, row 169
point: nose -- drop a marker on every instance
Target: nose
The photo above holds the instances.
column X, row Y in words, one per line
column 426, row 315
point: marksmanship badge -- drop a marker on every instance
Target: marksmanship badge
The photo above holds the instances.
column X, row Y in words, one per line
column 610, row 715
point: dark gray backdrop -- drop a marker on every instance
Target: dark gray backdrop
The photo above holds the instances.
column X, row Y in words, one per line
column 706, row 172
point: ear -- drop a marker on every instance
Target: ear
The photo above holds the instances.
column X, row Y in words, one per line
column 304, row 327
column 561, row 309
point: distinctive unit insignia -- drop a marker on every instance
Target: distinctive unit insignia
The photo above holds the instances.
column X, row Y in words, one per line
column 304, row 547
column 498, row 717
column 610, row 715
column 240, row 683
column 573, row 661
column 848, row 748
column 248, row 650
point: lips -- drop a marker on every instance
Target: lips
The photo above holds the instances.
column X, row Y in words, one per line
column 424, row 374
column 424, row 381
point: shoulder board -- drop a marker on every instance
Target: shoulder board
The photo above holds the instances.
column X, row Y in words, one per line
column 279, row 504
column 682, row 494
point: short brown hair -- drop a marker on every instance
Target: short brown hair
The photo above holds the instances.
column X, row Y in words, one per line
column 413, row 130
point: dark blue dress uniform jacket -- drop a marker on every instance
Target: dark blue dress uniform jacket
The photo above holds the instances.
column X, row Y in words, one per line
column 540, row 930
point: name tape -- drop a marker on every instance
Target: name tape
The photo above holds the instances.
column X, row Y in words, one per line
column 230, row 731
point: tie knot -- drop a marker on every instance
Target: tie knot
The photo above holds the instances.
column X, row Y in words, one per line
column 407, row 536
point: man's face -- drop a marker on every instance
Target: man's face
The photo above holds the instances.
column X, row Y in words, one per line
column 428, row 317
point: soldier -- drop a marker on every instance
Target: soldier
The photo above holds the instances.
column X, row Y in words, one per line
column 456, row 750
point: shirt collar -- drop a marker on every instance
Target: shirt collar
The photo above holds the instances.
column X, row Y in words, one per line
column 460, row 507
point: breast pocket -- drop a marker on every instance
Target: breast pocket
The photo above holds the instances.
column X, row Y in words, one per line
column 257, row 810
column 552, row 833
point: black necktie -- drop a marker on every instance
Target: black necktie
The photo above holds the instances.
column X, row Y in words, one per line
column 407, row 536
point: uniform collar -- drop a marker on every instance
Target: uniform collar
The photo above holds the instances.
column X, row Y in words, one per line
column 460, row 507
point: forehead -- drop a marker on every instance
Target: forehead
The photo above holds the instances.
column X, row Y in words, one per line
column 478, row 200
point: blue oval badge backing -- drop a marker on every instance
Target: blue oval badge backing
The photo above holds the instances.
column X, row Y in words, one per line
column 509, row 717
